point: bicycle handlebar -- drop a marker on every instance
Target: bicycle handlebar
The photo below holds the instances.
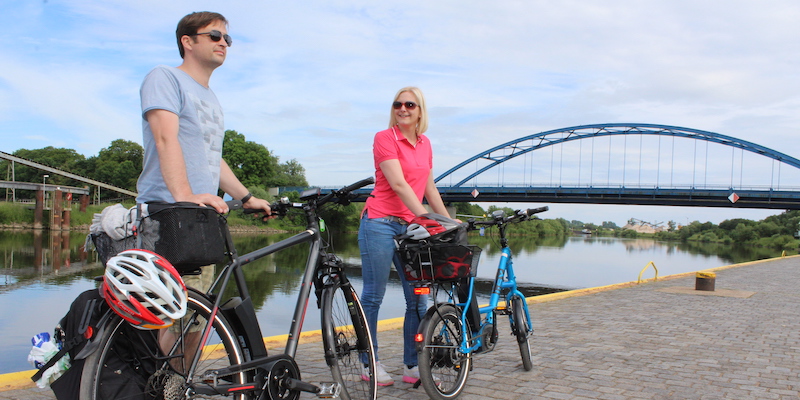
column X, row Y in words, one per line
column 499, row 217
column 312, row 198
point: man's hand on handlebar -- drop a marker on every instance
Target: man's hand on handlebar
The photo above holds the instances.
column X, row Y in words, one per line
column 257, row 205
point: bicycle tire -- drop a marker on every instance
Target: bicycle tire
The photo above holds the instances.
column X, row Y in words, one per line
column 135, row 353
column 347, row 341
column 443, row 369
column 519, row 326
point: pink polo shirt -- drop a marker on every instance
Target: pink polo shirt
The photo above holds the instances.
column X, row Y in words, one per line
column 416, row 162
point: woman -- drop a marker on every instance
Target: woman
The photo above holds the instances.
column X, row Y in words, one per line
column 403, row 176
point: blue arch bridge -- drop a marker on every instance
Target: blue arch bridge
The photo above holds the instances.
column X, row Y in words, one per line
column 642, row 164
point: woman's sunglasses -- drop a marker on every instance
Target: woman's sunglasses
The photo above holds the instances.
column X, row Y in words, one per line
column 410, row 105
column 216, row 36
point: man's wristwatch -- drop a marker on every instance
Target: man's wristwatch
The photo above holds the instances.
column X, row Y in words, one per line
column 246, row 197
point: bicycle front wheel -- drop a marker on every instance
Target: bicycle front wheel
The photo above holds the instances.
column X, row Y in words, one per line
column 520, row 326
column 130, row 363
column 443, row 369
column 348, row 345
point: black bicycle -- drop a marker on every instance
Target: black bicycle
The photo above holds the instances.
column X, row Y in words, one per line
column 218, row 349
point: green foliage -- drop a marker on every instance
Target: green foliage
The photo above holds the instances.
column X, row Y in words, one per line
column 342, row 218
column 609, row 225
column 469, row 209
column 119, row 164
column 626, row 233
column 290, row 173
column 251, row 162
column 255, row 165
column 774, row 232
column 11, row 213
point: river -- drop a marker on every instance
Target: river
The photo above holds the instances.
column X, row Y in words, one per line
column 42, row 272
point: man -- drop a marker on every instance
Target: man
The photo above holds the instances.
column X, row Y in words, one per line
column 183, row 131
column 183, row 125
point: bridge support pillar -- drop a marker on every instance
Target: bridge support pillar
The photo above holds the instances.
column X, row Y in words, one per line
column 38, row 211
column 84, row 202
column 58, row 206
column 65, row 219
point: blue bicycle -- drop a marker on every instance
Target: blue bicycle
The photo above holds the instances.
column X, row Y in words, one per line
column 455, row 328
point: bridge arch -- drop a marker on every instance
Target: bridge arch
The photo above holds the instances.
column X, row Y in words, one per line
column 518, row 147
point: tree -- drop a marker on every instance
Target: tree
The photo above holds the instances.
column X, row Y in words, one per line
column 609, row 225
column 251, row 162
column 119, row 164
column 255, row 165
column 672, row 225
column 290, row 173
column 469, row 209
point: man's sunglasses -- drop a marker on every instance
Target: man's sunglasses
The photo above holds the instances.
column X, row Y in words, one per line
column 216, row 36
column 410, row 105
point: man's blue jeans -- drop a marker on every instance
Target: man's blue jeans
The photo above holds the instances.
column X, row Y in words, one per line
column 376, row 242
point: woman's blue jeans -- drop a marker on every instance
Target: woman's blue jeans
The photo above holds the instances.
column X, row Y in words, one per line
column 376, row 242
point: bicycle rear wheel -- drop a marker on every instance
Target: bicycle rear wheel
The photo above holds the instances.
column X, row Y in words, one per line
column 520, row 326
column 443, row 369
column 347, row 341
column 129, row 363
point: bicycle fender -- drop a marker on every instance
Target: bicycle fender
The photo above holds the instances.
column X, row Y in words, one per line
column 426, row 319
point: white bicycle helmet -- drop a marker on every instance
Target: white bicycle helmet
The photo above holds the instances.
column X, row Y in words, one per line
column 144, row 289
column 430, row 224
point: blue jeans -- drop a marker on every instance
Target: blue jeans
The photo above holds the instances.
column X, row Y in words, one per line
column 376, row 242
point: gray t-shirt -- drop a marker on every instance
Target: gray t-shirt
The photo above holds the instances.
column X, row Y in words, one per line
column 201, row 132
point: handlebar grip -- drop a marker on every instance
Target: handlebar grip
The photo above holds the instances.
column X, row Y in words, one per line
column 532, row 211
column 358, row 185
column 234, row 204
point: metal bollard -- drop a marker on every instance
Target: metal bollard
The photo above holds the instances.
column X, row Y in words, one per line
column 705, row 281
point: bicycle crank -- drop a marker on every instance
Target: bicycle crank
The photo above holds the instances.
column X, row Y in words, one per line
column 282, row 382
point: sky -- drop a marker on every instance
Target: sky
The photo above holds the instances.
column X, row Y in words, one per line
column 313, row 80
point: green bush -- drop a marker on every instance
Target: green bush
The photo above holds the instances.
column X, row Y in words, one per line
column 15, row 213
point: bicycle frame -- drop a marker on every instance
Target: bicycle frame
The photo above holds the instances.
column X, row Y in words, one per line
column 248, row 327
column 250, row 331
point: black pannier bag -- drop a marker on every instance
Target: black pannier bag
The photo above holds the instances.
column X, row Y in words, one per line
column 79, row 325
column 187, row 235
column 436, row 261
column 127, row 371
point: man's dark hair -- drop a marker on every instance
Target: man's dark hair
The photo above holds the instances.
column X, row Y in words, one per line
column 194, row 21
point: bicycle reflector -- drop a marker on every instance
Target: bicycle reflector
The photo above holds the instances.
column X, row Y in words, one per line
column 419, row 338
column 422, row 290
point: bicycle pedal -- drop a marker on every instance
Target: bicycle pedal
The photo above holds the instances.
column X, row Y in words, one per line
column 329, row 390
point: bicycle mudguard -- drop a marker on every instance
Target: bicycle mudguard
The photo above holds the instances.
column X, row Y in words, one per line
column 426, row 319
column 241, row 314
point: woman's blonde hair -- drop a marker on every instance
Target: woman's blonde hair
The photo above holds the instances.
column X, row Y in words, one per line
column 422, row 124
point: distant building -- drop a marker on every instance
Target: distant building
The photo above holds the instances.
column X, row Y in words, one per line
column 644, row 228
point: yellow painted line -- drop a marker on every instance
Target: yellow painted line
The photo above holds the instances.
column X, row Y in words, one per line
column 22, row 380
column 17, row 380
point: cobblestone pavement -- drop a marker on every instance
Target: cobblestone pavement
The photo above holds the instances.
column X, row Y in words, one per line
column 657, row 340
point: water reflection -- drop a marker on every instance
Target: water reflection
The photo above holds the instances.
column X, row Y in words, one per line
column 42, row 272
